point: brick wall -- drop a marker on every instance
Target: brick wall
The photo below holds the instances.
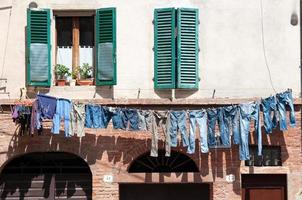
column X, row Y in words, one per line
column 108, row 151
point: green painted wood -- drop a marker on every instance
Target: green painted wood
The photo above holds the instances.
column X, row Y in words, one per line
column 105, row 29
column 38, row 56
column 164, row 48
column 187, row 46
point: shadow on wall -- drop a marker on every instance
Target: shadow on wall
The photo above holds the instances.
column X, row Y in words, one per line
column 104, row 92
column 47, row 175
column 118, row 152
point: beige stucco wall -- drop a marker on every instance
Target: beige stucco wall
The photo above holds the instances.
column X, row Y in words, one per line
column 231, row 59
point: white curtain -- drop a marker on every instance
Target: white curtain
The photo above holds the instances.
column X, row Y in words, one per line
column 64, row 57
column 86, row 55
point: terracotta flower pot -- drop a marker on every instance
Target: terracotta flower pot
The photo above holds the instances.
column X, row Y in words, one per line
column 85, row 82
column 61, row 82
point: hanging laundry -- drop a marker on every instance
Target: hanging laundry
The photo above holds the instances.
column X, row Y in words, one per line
column 36, row 120
column 77, row 119
column 130, row 116
column 285, row 99
column 21, row 115
column 223, row 138
column 63, row 110
column 118, row 119
column 248, row 112
column 231, row 121
column 178, row 123
column 97, row 116
column 198, row 117
column 144, row 120
column 269, row 105
column 160, row 119
column 47, row 106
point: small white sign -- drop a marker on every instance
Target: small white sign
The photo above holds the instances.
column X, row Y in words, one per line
column 230, row 178
column 108, row 178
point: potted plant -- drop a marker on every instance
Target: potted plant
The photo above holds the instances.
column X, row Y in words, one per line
column 85, row 75
column 62, row 72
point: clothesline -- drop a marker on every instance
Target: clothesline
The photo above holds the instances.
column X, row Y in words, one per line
column 233, row 121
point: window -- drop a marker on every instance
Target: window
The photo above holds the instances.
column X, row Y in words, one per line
column 75, row 42
column 177, row 162
column 271, row 156
column 176, row 48
column 96, row 38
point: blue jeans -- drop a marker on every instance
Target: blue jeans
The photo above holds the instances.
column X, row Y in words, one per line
column 199, row 117
column 284, row 99
column 231, row 116
column 248, row 112
column 217, row 115
column 118, row 119
column 269, row 105
column 63, row 110
column 131, row 116
column 145, row 120
column 97, row 116
column 177, row 122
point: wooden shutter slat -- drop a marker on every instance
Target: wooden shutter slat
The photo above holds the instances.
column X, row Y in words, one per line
column 164, row 48
column 187, row 44
column 38, row 47
column 105, row 46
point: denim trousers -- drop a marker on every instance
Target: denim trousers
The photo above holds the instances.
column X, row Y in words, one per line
column 248, row 112
column 160, row 119
column 198, row 117
column 77, row 119
column 217, row 115
column 231, row 118
column 284, row 99
column 269, row 105
column 177, row 123
column 97, row 116
column 63, row 110
column 118, row 119
column 144, row 120
column 130, row 116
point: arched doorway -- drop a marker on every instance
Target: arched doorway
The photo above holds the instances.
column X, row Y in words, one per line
column 177, row 163
column 47, row 175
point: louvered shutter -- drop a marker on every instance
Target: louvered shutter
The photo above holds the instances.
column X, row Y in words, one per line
column 164, row 48
column 187, row 46
column 105, row 46
column 38, row 47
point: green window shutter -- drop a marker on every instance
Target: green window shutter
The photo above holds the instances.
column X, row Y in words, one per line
column 105, row 33
column 164, row 48
column 38, row 47
column 187, row 46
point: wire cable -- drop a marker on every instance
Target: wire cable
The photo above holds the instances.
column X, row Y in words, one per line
column 6, row 41
column 264, row 50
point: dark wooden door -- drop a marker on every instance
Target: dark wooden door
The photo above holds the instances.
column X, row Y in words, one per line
column 164, row 191
column 265, row 193
column 264, row 187
column 52, row 175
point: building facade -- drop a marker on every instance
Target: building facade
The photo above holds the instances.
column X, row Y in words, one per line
column 162, row 55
